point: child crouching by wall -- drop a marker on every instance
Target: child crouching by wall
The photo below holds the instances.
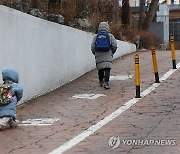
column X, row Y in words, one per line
column 11, row 92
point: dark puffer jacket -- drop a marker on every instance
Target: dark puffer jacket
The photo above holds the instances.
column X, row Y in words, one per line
column 104, row 59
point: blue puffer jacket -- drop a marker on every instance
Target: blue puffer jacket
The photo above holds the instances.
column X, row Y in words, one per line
column 10, row 75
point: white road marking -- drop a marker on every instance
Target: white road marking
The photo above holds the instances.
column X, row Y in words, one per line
column 38, row 122
column 121, row 77
column 87, row 96
column 110, row 117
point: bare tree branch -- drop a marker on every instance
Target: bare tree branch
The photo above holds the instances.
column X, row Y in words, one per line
column 141, row 14
column 150, row 14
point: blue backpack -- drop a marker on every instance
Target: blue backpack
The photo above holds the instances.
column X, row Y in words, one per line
column 103, row 42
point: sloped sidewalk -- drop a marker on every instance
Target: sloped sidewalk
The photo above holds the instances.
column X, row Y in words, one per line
column 63, row 114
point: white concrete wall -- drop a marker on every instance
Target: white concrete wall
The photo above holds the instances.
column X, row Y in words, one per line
column 47, row 55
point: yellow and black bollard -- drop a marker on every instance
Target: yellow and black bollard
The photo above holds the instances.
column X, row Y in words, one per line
column 173, row 52
column 155, row 65
column 137, row 76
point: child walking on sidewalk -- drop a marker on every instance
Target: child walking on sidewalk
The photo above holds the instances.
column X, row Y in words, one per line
column 10, row 93
column 103, row 46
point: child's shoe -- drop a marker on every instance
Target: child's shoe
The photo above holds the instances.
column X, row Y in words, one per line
column 13, row 123
column 4, row 123
column 106, row 85
column 101, row 83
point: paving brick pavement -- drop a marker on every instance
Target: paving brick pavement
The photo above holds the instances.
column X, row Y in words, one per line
column 154, row 117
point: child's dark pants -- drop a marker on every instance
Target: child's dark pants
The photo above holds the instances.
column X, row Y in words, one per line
column 104, row 74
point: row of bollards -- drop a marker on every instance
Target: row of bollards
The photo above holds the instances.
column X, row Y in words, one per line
column 137, row 70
